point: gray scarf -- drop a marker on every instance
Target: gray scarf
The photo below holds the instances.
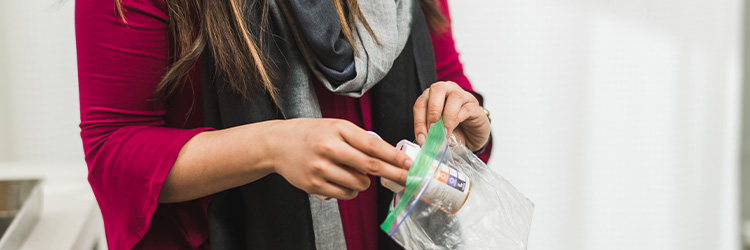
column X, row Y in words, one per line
column 375, row 60
column 372, row 64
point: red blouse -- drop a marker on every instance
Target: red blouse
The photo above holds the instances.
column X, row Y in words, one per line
column 131, row 142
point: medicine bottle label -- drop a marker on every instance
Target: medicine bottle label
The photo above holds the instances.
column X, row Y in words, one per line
column 448, row 189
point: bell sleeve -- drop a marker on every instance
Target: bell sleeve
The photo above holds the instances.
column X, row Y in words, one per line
column 128, row 149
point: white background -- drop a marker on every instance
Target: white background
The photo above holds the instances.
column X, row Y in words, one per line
column 38, row 82
column 618, row 118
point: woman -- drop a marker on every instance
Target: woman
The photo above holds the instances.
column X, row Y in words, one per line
column 187, row 107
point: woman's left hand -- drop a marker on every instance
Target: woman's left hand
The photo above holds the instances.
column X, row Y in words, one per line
column 460, row 111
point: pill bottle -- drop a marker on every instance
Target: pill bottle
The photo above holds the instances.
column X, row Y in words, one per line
column 446, row 187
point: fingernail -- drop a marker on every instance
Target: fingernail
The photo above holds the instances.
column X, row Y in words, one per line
column 420, row 138
column 408, row 163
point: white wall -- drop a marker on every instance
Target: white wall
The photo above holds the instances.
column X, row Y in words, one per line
column 618, row 118
column 38, row 82
column 4, row 104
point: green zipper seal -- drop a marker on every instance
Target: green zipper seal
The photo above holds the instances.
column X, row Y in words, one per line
column 416, row 175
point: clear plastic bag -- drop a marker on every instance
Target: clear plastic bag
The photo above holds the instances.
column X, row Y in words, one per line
column 452, row 200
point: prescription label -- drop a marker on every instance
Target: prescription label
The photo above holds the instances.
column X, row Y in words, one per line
column 449, row 188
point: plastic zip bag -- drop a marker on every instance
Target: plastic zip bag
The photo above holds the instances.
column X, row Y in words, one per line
column 452, row 200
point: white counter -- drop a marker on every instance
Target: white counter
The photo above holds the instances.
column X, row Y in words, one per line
column 70, row 217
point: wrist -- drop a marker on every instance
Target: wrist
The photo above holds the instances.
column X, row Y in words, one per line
column 254, row 147
column 269, row 146
column 481, row 149
column 489, row 135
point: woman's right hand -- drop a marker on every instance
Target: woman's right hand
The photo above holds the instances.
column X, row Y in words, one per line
column 332, row 157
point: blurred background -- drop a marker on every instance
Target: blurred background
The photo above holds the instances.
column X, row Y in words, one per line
column 621, row 120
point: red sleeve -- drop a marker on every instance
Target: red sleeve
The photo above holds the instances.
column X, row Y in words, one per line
column 449, row 67
column 128, row 150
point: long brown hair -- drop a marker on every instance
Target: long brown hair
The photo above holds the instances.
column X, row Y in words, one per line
column 220, row 25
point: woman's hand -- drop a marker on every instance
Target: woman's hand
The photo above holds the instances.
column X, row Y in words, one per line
column 460, row 111
column 328, row 157
column 332, row 157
